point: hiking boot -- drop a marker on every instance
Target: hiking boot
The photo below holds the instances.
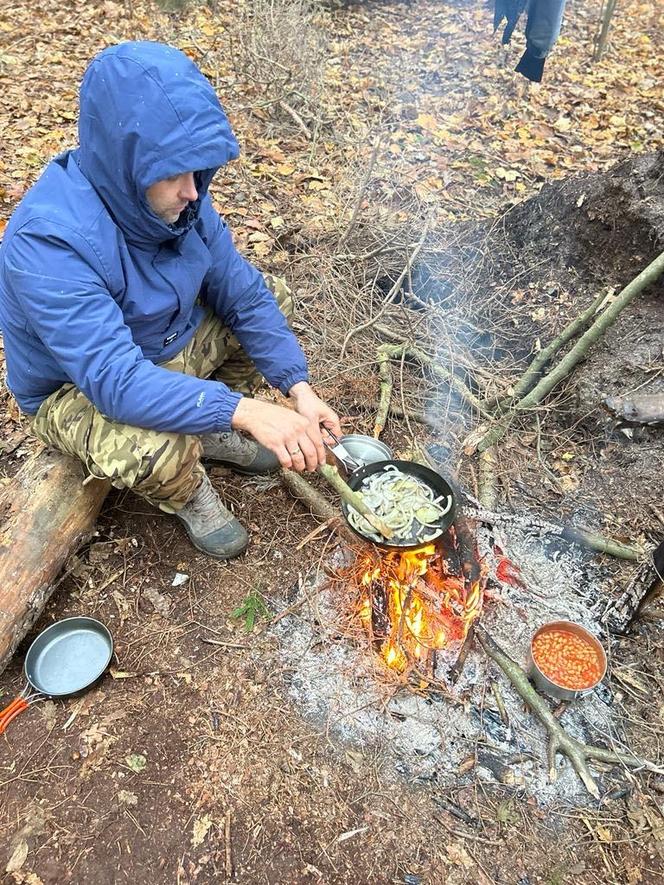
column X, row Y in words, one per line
column 210, row 526
column 241, row 453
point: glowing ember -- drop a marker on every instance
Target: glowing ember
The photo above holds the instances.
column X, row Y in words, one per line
column 416, row 603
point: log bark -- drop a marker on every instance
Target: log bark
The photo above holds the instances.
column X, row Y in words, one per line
column 645, row 408
column 354, row 499
column 298, row 486
column 46, row 512
column 648, row 577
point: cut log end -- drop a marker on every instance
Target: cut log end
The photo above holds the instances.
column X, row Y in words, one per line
column 46, row 512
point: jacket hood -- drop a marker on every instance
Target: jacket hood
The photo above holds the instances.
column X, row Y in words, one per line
column 147, row 113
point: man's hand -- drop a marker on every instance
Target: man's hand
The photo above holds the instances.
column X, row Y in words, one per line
column 312, row 407
column 295, row 441
column 294, row 436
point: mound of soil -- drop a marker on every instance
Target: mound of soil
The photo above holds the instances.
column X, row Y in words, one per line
column 604, row 227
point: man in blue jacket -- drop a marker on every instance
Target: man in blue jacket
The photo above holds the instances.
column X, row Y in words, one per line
column 121, row 292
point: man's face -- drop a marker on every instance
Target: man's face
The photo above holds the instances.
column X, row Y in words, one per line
column 168, row 198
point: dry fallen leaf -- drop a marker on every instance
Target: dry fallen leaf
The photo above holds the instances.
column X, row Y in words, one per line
column 18, row 858
column 201, row 829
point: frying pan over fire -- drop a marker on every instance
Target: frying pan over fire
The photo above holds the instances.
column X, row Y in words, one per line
column 435, row 482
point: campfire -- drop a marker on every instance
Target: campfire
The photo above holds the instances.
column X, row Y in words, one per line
column 418, row 605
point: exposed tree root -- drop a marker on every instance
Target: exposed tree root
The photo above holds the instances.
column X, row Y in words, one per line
column 577, row 752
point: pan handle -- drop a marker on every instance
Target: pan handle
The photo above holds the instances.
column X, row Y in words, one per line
column 11, row 711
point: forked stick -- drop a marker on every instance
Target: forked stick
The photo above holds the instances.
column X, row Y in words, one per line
column 559, row 741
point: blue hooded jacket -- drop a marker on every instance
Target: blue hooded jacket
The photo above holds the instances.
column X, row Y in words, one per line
column 96, row 290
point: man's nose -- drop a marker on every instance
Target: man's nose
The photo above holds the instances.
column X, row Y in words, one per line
column 188, row 191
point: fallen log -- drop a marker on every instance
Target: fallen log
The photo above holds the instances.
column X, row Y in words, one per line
column 46, row 512
column 646, row 580
column 645, row 408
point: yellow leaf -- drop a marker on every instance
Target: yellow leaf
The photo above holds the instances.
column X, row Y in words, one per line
column 507, row 174
column 285, row 169
column 563, row 124
column 427, row 122
column 18, row 858
column 201, row 829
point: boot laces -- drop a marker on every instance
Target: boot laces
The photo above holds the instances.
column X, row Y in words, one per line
column 234, row 442
column 206, row 507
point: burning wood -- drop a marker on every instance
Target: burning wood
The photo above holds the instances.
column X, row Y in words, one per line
column 417, row 603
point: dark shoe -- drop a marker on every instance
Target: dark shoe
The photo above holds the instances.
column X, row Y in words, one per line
column 210, row 526
column 240, row 453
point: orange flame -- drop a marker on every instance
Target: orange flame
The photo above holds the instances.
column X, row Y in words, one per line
column 426, row 609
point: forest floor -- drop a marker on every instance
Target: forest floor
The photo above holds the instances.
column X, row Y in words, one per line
column 395, row 117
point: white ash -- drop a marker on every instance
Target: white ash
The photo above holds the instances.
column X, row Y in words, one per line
column 339, row 683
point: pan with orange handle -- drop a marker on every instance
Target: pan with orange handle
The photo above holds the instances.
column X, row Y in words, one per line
column 65, row 659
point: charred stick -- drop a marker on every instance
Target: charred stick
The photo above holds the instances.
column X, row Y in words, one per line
column 457, row 667
column 467, row 546
column 583, row 537
column 647, row 578
column 380, row 618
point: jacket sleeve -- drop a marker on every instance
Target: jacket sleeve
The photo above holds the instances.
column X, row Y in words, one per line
column 59, row 281
column 236, row 291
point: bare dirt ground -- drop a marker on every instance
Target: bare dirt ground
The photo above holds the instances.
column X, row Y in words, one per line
column 191, row 748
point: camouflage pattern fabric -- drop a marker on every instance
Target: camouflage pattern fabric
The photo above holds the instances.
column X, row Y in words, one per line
column 164, row 468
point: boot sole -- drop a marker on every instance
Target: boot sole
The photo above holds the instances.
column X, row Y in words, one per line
column 245, row 471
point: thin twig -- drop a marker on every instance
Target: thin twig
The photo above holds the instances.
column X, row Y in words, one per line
column 391, row 295
column 360, row 194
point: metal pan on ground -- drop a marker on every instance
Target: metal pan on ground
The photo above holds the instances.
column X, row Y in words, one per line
column 438, row 485
column 546, row 681
column 65, row 659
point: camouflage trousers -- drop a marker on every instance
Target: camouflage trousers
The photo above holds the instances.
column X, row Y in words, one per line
column 163, row 468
